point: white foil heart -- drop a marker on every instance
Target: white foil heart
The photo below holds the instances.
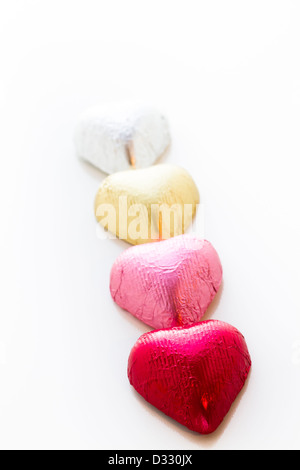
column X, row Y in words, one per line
column 118, row 136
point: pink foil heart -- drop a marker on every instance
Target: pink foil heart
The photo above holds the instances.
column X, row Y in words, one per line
column 167, row 283
column 193, row 374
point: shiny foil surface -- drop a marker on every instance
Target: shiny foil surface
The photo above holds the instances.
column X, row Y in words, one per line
column 192, row 374
column 167, row 284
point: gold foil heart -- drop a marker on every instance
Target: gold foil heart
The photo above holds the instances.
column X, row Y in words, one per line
column 146, row 205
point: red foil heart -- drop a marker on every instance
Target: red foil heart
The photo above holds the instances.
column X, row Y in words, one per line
column 193, row 374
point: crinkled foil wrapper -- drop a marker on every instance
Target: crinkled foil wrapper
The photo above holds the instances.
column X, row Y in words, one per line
column 192, row 374
column 166, row 284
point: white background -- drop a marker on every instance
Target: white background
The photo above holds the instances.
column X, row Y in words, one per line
column 227, row 76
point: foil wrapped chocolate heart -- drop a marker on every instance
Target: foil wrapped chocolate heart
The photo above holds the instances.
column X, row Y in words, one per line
column 192, row 374
column 118, row 136
column 169, row 283
column 141, row 206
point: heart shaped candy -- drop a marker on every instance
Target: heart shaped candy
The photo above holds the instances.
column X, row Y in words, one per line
column 192, row 374
column 144, row 205
column 169, row 283
column 120, row 135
